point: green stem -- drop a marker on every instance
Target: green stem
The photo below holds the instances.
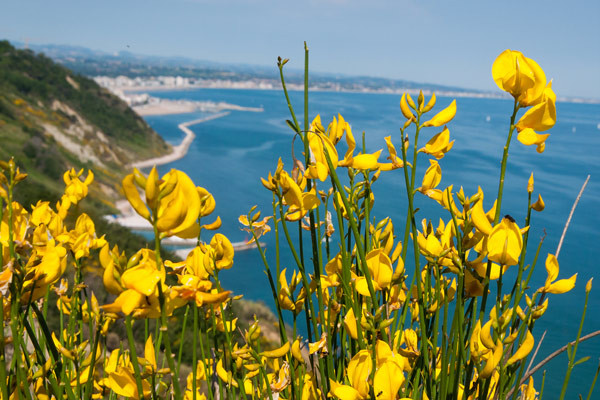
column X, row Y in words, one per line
column 163, row 316
column 589, row 396
column 504, row 162
column 423, row 341
column 353, row 225
column 182, row 337
column 499, row 202
column 96, row 340
column 3, row 378
column 134, row 360
column 282, row 332
column 563, row 390
column 194, row 353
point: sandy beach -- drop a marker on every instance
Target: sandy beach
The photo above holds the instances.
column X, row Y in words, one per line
column 164, row 108
column 181, row 149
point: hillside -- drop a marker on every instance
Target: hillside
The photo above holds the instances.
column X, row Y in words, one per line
column 52, row 119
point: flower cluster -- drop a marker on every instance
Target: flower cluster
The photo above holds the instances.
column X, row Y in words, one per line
column 391, row 312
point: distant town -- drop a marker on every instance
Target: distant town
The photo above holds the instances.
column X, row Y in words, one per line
column 135, row 90
column 131, row 75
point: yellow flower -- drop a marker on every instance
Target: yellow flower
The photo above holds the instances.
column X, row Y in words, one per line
column 380, row 269
column 528, row 391
column 193, row 264
column 142, row 278
column 83, row 237
column 172, row 203
column 337, row 128
column 387, row 380
column 309, row 388
column 432, row 178
column 530, row 184
column 560, row 286
column 362, row 161
column 318, row 346
column 207, row 202
column 299, row 202
column 396, row 162
column 278, row 352
column 76, row 189
column 520, row 76
column 229, row 325
column 283, row 379
column 439, row 144
column 200, row 376
column 429, row 104
column 505, row 242
column 405, row 109
column 111, row 262
column 41, row 213
column 370, row 160
column 523, row 350
column 286, row 291
column 476, row 346
column 388, row 377
column 219, row 254
column 121, row 378
column 140, row 289
column 318, row 167
column 480, row 219
column 539, row 205
column 350, row 324
column 359, row 370
column 443, row 117
column 19, row 225
column 540, row 118
column 492, row 358
column 45, row 271
column 259, row 228
column 199, row 290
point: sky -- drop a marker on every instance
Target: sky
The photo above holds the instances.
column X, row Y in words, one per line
column 434, row 41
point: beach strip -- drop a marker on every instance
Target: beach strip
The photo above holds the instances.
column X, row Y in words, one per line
column 182, row 148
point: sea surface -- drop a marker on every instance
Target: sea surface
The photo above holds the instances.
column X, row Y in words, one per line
column 230, row 154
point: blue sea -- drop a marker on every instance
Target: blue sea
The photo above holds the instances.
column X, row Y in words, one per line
column 230, row 154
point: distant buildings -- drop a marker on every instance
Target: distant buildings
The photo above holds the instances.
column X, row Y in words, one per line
column 125, row 87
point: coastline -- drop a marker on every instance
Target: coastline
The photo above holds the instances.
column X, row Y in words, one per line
column 182, row 148
column 294, row 87
column 127, row 216
column 157, row 106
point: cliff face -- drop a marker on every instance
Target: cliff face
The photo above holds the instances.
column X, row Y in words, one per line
column 52, row 119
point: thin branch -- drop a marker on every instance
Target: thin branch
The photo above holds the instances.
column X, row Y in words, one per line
column 550, row 357
column 571, row 215
column 535, row 352
column 564, row 233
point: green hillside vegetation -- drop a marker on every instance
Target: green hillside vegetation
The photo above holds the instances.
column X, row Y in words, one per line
column 52, row 119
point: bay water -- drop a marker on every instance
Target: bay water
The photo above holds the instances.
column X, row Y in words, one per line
column 230, row 154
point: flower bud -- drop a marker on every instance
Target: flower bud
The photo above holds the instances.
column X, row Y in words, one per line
column 411, row 102
column 539, row 204
column 139, row 178
column 430, row 103
column 405, row 109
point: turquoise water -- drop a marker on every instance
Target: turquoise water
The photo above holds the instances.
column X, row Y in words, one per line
column 230, row 154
